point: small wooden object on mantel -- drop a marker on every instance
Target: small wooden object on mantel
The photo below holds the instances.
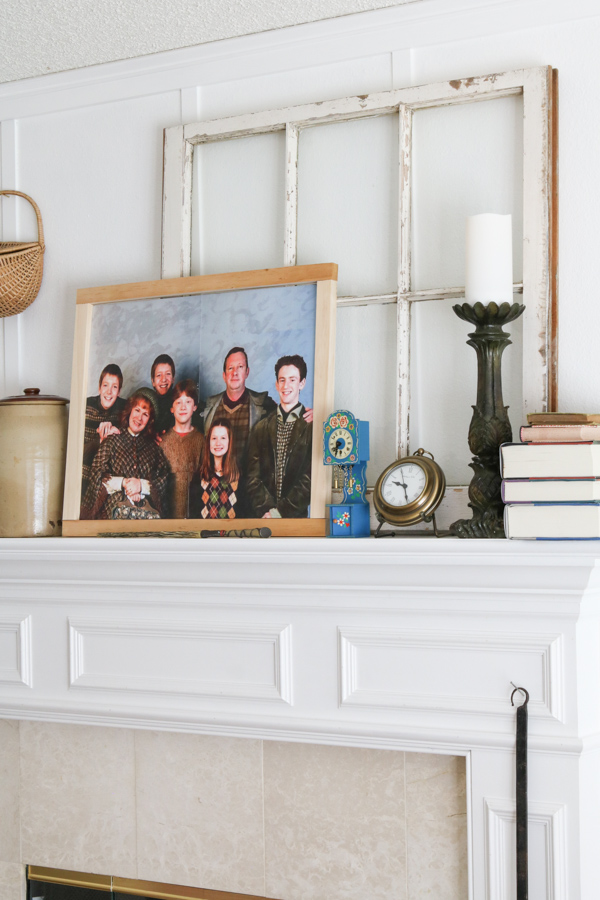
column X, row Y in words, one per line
column 21, row 267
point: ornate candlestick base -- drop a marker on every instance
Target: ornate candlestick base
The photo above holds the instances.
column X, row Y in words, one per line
column 489, row 426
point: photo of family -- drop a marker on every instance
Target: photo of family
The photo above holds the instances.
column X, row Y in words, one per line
column 201, row 407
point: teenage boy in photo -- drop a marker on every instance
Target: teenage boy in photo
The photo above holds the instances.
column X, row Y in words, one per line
column 102, row 414
column 182, row 445
column 280, row 448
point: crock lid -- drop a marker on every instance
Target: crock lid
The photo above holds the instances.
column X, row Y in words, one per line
column 32, row 395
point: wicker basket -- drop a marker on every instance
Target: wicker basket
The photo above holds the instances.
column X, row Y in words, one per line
column 21, row 267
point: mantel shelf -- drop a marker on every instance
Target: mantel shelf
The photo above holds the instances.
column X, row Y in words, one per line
column 356, row 551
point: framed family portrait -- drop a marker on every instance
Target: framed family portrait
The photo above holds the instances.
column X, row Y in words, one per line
column 197, row 404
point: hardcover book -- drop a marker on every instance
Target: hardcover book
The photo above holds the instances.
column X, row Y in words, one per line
column 559, row 433
column 554, row 418
column 552, row 521
column 551, row 490
column 581, row 460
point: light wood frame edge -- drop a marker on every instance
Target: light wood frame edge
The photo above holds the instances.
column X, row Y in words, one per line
column 203, row 284
column 314, row 527
column 74, row 463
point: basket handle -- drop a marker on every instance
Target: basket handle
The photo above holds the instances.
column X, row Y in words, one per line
column 37, row 213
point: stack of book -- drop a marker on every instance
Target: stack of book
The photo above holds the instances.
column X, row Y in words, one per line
column 551, row 480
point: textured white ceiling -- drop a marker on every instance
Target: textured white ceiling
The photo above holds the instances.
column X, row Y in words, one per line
column 41, row 36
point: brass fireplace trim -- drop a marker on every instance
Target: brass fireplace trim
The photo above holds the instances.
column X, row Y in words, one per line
column 132, row 886
column 74, row 879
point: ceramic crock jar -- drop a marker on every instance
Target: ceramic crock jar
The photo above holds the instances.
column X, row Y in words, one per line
column 33, row 447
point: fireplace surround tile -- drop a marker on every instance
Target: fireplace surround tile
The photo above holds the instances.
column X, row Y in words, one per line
column 436, row 825
column 12, row 881
column 208, row 800
column 335, row 822
column 9, row 792
column 69, row 819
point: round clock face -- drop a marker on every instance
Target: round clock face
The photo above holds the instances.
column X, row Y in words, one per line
column 340, row 443
column 409, row 490
column 404, row 484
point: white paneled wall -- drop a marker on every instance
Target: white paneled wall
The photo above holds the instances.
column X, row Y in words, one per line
column 88, row 146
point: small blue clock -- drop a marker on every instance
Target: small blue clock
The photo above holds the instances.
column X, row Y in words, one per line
column 346, row 444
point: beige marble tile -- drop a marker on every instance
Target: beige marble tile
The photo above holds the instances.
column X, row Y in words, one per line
column 334, row 823
column 199, row 809
column 12, row 881
column 78, row 798
column 10, row 849
column 436, row 816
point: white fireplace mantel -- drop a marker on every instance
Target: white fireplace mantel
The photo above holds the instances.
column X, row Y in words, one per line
column 407, row 644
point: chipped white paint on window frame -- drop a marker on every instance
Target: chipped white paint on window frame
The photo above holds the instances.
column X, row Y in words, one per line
column 536, row 87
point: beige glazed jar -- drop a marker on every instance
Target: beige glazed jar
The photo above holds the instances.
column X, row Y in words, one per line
column 33, row 446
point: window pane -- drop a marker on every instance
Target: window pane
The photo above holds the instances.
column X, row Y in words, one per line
column 365, row 376
column 467, row 159
column 444, row 385
column 238, row 204
column 348, row 202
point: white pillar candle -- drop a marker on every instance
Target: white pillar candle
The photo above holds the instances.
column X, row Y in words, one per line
column 488, row 269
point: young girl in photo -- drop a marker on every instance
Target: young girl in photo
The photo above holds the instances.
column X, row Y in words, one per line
column 213, row 492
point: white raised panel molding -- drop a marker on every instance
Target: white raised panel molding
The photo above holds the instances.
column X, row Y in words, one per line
column 250, row 662
column 421, row 666
column 15, row 651
column 500, row 821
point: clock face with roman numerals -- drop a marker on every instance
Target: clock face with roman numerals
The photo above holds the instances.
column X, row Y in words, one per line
column 341, row 444
column 409, row 490
column 403, row 484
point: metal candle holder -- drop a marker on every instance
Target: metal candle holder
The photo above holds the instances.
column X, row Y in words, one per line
column 489, row 426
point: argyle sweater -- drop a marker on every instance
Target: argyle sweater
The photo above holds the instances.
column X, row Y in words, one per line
column 217, row 498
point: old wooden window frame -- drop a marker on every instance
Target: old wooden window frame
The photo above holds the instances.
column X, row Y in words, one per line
column 537, row 86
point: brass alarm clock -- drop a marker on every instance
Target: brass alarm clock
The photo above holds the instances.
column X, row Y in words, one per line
column 409, row 490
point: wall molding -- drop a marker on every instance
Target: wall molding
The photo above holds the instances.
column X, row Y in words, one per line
column 397, row 28
column 399, row 736
column 20, row 672
column 500, row 818
column 352, row 640
column 138, row 642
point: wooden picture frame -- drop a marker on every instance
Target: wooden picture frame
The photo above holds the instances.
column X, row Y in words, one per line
column 244, row 293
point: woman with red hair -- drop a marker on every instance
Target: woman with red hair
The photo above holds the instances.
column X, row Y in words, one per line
column 129, row 473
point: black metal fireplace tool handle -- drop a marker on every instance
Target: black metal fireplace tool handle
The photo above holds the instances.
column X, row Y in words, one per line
column 521, row 794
